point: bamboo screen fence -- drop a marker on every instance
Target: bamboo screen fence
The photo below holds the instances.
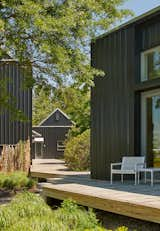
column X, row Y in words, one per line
column 16, row 158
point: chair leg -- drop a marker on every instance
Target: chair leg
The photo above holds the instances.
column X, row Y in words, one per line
column 151, row 178
column 122, row 178
column 138, row 176
column 135, row 178
column 145, row 177
column 111, row 180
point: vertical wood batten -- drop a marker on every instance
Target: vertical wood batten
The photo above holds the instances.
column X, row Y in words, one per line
column 12, row 131
column 117, row 131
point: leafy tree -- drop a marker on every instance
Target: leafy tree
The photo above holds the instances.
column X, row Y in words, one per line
column 42, row 106
column 75, row 102
column 51, row 35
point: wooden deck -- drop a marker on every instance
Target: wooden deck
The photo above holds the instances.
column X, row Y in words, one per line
column 51, row 168
column 141, row 201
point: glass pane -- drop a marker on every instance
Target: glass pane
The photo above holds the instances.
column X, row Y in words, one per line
column 153, row 64
column 156, row 130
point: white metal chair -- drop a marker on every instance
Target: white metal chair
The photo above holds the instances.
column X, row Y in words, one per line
column 129, row 165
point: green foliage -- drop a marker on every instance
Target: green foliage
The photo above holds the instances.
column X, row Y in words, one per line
column 77, row 152
column 24, row 206
column 73, row 101
column 42, row 104
column 29, row 212
column 29, row 205
column 122, row 228
column 76, row 217
column 53, row 36
column 15, row 181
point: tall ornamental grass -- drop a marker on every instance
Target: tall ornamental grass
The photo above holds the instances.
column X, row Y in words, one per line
column 16, row 158
column 29, row 212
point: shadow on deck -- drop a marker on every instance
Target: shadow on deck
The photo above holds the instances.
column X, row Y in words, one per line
column 141, row 201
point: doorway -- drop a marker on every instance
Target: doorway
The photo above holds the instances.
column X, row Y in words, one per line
column 150, row 127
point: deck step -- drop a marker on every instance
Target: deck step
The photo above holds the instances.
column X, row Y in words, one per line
column 144, row 207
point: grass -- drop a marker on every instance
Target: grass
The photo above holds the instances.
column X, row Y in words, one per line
column 29, row 212
column 15, row 181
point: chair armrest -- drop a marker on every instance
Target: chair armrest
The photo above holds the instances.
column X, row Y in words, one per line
column 115, row 164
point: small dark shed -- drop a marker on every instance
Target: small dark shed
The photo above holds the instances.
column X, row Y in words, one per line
column 125, row 104
column 12, row 131
column 54, row 129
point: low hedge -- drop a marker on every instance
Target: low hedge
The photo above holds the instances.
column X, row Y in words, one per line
column 15, row 181
column 77, row 152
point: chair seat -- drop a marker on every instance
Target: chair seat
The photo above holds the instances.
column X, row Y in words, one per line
column 119, row 171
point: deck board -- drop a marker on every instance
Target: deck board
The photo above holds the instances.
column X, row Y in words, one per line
column 134, row 205
column 141, row 201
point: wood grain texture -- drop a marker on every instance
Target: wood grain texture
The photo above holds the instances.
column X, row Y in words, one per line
column 11, row 131
column 115, row 98
column 140, row 201
column 143, row 207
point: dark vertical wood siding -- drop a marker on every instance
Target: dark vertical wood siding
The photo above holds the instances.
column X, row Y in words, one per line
column 51, row 136
column 115, row 99
column 13, row 131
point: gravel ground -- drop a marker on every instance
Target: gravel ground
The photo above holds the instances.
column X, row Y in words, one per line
column 5, row 197
column 112, row 221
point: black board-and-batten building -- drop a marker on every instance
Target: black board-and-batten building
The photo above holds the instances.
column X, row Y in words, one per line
column 12, row 76
column 53, row 129
column 125, row 104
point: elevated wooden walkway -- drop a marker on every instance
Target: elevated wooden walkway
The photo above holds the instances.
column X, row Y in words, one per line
column 141, row 201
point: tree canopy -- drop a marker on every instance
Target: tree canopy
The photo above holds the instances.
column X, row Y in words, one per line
column 53, row 37
column 52, row 34
column 73, row 101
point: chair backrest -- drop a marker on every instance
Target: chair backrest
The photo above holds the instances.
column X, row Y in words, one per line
column 129, row 162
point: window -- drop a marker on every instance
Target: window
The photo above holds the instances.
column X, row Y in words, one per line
column 150, row 64
column 150, row 127
column 60, row 146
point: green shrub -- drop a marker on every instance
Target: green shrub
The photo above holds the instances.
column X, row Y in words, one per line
column 2, row 178
column 29, row 205
column 77, row 152
column 7, row 217
column 28, row 212
column 16, row 181
column 76, row 217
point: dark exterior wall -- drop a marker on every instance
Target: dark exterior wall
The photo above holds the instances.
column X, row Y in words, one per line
column 62, row 120
column 51, row 135
column 13, row 131
column 115, row 99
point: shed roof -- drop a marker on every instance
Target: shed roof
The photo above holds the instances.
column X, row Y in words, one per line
column 51, row 121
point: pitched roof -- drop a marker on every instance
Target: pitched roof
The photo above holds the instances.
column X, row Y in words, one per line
column 50, row 120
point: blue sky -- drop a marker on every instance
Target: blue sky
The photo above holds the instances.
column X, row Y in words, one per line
column 141, row 6
column 138, row 7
